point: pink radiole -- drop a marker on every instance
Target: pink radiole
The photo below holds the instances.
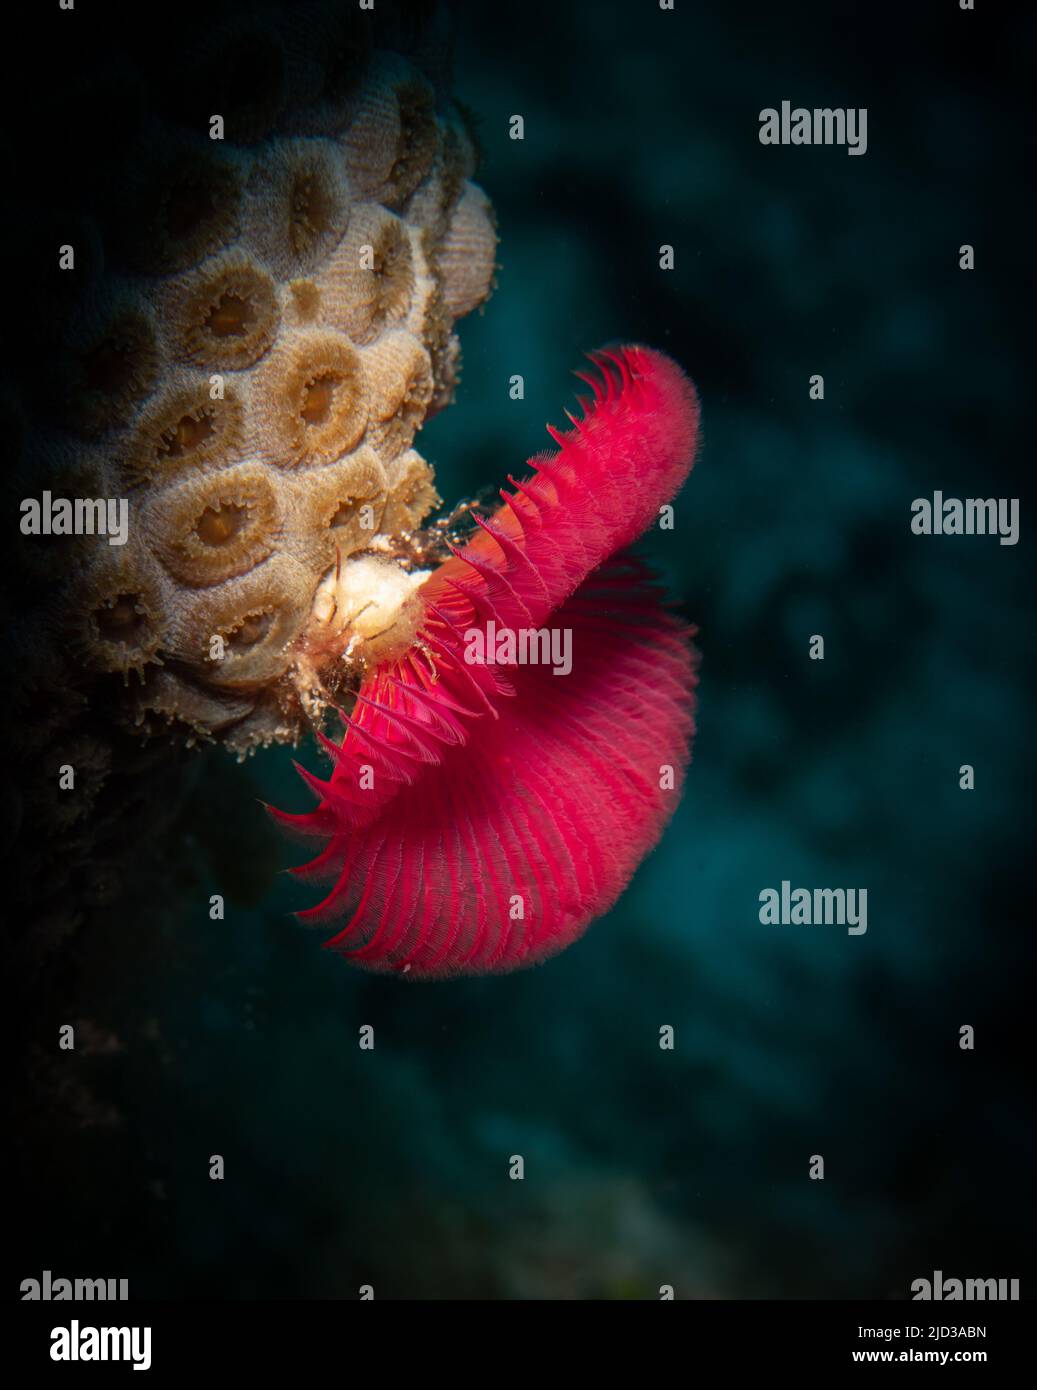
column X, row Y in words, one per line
column 479, row 816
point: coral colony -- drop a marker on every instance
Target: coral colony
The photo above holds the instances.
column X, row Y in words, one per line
column 479, row 815
column 250, row 379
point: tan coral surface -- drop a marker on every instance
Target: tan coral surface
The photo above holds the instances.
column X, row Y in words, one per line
column 250, row 374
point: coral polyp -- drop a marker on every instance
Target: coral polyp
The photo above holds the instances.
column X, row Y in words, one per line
column 254, row 616
column 223, row 315
column 299, row 205
column 466, row 256
column 340, row 510
column 118, row 624
column 312, row 405
column 412, row 494
column 369, row 282
column 400, row 371
column 185, row 429
column 393, row 141
column 485, row 805
column 212, row 528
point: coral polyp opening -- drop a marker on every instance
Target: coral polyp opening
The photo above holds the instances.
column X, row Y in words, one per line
column 346, row 511
column 118, row 628
column 256, row 616
column 306, row 298
column 231, row 317
column 312, row 212
column 369, row 282
column 392, row 276
column 226, row 315
column 318, row 396
column 253, row 628
column 331, row 505
column 121, row 619
column 217, row 528
column 218, row 525
column 190, row 431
